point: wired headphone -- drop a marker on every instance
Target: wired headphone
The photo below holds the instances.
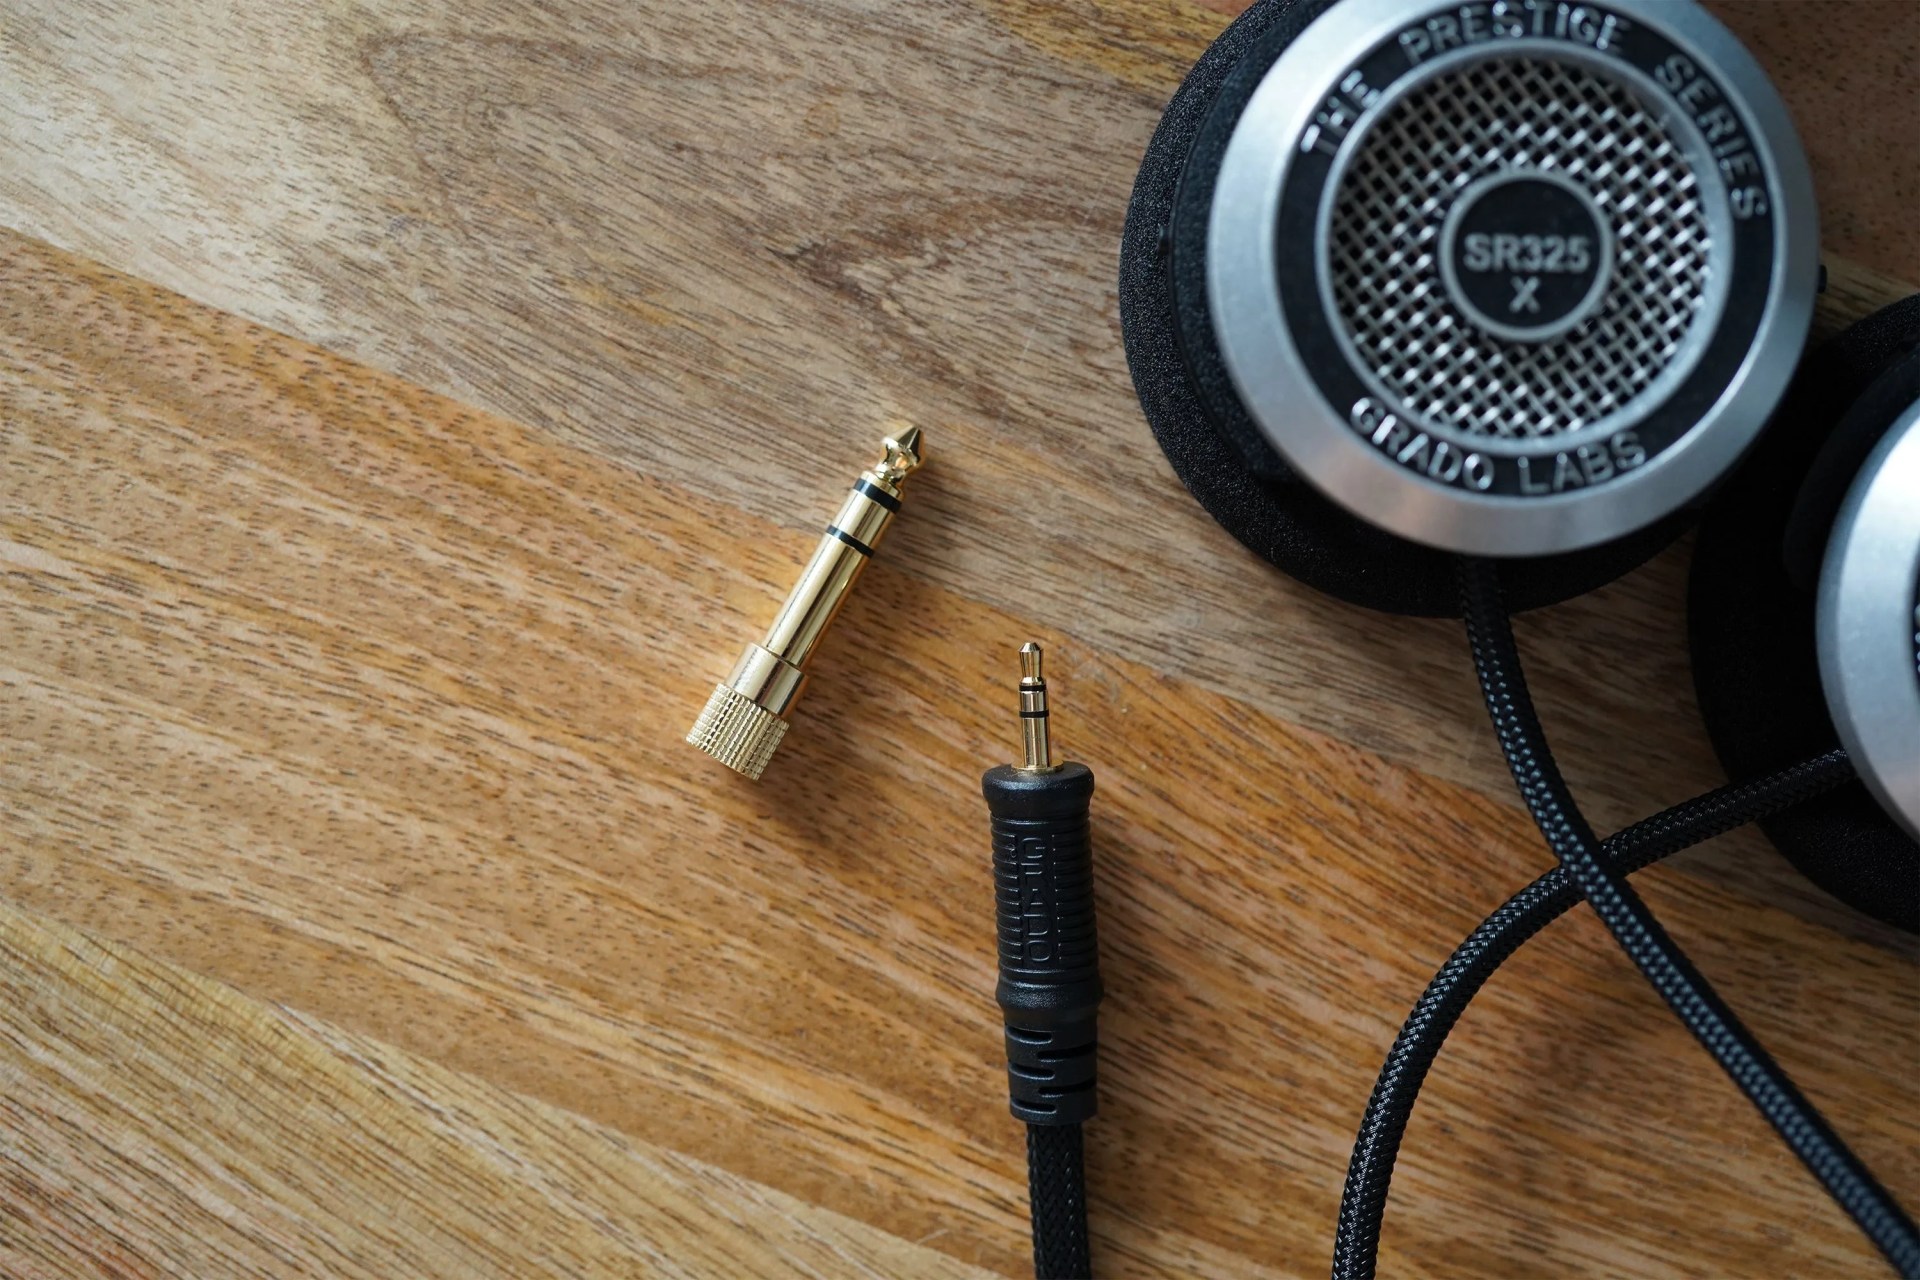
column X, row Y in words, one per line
column 1445, row 308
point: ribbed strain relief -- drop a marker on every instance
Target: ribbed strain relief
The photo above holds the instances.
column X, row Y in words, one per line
column 738, row 732
column 1051, row 1076
column 1049, row 952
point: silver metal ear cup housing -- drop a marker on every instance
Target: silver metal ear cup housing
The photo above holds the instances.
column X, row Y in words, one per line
column 1516, row 277
column 1869, row 622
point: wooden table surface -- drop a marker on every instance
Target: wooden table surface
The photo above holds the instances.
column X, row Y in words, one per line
column 410, row 409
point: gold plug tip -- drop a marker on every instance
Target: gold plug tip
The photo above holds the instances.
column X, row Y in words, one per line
column 1036, row 741
column 1030, row 655
column 903, row 456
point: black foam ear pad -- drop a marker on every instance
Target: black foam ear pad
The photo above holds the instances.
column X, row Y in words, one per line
column 1751, row 607
column 1189, row 401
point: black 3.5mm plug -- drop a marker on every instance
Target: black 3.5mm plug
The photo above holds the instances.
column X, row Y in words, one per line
column 1049, row 989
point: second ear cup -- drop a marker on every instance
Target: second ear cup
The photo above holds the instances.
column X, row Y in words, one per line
column 1189, row 399
column 1752, row 600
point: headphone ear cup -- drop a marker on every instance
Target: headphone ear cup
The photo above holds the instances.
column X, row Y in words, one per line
column 1198, row 420
column 1751, row 607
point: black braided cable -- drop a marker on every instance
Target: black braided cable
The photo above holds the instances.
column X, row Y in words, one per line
column 1363, row 1203
column 1057, row 1199
column 1496, row 661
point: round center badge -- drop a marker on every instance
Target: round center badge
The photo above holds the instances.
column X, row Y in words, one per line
column 1526, row 254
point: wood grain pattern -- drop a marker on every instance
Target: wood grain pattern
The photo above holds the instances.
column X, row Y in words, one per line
column 364, row 701
column 158, row 1123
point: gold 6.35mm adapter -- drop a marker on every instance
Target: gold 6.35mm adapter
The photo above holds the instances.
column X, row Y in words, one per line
column 746, row 717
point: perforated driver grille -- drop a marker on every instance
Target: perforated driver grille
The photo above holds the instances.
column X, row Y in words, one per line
column 1484, row 118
